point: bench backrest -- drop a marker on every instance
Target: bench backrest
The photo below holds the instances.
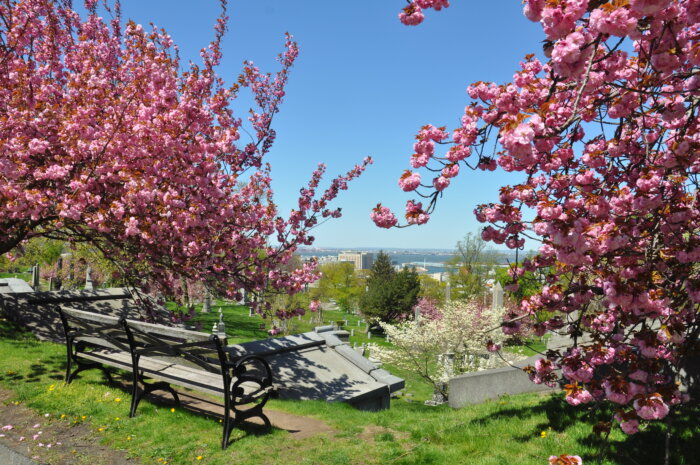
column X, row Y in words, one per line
column 94, row 328
column 166, row 343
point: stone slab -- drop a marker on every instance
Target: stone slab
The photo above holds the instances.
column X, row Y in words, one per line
column 35, row 310
column 394, row 382
column 10, row 457
column 474, row 388
column 14, row 285
column 319, row 366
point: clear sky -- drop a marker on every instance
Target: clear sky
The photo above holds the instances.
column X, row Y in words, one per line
column 363, row 85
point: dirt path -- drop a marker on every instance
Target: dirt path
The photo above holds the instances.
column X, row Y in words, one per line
column 54, row 442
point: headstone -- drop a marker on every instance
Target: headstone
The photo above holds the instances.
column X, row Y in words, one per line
column 35, row 277
column 497, row 292
column 206, row 306
column 448, row 292
column 416, row 314
column 59, row 270
column 88, row 279
column 251, row 312
column 220, row 327
column 447, row 362
column 352, row 332
column 439, row 397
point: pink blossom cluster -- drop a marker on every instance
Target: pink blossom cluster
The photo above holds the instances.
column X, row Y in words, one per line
column 287, row 314
column 106, row 139
column 412, row 14
column 606, row 138
column 428, row 308
column 565, row 459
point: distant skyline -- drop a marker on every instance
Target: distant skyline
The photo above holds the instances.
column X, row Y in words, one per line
column 363, row 85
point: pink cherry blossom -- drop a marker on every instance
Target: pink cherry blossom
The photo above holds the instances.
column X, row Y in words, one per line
column 607, row 154
column 630, row 426
column 118, row 143
column 651, row 407
column 409, row 181
column 383, row 217
column 565, row 459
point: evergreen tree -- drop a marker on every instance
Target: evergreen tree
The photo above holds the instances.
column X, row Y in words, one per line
column 389, row 294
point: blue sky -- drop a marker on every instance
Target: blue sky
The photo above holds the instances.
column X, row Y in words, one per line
column 363, row 85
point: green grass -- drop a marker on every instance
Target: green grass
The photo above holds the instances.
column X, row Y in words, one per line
column 243, row 328
column 507, row 431
column 19, row 275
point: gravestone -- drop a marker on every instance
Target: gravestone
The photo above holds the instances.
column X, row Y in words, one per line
column 220, row 326
column 59, row 270
column 88, row 279
column 497, row 293
column 206, row 306
column 35, row 277
column 439, row 396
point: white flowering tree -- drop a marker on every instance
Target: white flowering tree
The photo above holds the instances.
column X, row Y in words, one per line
column 463, row 328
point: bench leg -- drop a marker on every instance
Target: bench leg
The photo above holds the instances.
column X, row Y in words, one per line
column 82, row 366
column 239, row 416
column 137, row 394
column 86, row 366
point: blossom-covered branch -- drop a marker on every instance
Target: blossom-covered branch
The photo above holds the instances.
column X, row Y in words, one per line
column 106, row 140
column 605, row 134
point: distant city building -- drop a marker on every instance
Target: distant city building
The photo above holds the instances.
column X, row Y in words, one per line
column 361, row 260
column 440, row 277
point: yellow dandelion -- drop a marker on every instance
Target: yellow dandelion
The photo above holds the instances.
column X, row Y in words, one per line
column 83, row 417
column 117, row 399
column 117, row 418
column 100, row 429
column 63, row 415
column 172, row 409
column 199, row 457
column 128, row 438
column 52, row 387
column 543, row 434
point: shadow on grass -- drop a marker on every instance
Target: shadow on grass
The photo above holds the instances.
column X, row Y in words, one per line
column 648, row 446
column 644, row 448
column 193, row 405
column 13, row 331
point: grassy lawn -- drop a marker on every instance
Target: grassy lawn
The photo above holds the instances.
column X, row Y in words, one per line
column 522, row 429
column 19, row 275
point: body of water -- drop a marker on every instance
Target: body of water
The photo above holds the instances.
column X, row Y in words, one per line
column 431, row 262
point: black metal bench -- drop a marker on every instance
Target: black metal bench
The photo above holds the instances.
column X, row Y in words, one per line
column 168, row 355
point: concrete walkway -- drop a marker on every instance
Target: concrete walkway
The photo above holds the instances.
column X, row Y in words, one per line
column 10, row 457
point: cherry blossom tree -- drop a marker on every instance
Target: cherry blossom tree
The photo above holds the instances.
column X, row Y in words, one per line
column 606, row 135
column 108, row 138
